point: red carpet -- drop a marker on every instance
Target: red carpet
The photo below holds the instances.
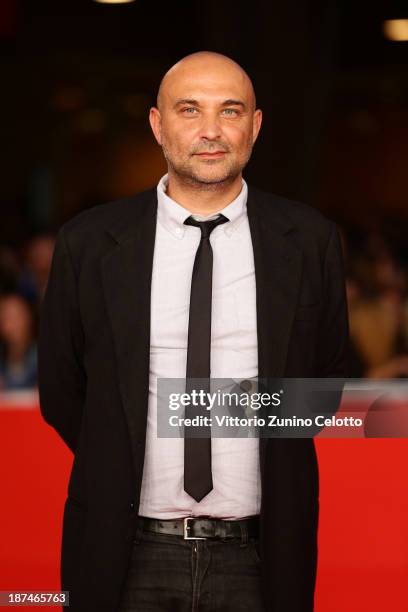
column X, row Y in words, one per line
column 363, row 543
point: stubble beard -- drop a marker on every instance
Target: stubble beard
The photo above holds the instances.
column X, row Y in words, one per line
column 186, row 173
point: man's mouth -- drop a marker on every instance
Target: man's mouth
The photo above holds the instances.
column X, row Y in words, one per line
column 211, row 154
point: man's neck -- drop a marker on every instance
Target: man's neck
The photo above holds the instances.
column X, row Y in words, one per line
column 203, row 199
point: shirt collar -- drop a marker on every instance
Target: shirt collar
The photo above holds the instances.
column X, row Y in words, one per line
column 172, row 215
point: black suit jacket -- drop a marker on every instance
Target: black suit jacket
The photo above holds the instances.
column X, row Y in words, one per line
column 94, row 371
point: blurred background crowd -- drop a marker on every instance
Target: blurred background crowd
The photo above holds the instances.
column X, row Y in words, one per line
column 331, row 78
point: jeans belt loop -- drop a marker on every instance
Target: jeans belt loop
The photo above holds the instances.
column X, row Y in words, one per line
column 244, row 533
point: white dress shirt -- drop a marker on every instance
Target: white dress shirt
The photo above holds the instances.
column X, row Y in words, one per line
column 236, row 489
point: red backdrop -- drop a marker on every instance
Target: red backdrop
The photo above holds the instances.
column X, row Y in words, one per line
column 363, row 537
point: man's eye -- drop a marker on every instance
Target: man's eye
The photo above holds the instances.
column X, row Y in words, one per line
column 190, row 110
column 230, row 111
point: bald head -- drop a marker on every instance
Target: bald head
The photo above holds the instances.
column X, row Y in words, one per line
column 208, row 64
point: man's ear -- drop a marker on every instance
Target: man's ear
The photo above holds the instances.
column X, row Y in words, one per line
column 155, row 123
column 256, row 124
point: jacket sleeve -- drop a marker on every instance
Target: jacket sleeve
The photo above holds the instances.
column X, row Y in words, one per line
column 322, row 395
column 333, row 341
column 61, row 375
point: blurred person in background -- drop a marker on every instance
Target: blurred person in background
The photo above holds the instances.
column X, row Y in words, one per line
column 377, row 298
column 33, row 277
column 18, row 352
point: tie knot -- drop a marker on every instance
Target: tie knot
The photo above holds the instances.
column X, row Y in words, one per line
column 206, row 227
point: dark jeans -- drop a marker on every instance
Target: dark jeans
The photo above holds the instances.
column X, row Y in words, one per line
column 170, row 574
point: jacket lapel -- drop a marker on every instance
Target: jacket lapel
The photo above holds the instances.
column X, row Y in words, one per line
column 126, row 274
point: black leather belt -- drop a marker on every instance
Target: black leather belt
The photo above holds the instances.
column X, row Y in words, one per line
column 201, row 528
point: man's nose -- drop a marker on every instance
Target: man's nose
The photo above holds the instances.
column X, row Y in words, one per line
column 210, row 127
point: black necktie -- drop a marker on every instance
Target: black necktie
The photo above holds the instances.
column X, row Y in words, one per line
column 197, row 450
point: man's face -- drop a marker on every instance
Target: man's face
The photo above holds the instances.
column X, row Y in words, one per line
column 206, row 122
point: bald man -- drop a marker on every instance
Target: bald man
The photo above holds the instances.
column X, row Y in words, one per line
column 201, row 276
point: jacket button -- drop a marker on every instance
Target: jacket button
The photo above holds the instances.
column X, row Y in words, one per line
column 132, row 505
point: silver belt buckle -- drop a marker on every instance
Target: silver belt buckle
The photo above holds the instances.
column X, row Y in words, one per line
column 187, row 528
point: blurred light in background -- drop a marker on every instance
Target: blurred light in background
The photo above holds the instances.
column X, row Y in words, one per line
column 92, row 121
column 68, row 98
column 114, row 1
column 396, row 29
column 136, row 105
